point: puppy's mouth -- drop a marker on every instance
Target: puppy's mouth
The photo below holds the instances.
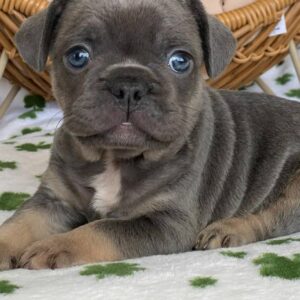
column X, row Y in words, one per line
column 123, row 136
column 142, row 130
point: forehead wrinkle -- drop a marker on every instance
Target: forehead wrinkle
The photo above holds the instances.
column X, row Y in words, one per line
column 167, row 28
column 78, row 26
column 158, row 22
column 133, row 27
column 86, row 34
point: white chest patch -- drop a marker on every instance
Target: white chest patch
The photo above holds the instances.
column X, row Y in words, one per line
column 108, row 187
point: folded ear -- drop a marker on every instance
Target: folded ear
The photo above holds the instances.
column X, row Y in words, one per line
column 35, row 36
column 218, row 43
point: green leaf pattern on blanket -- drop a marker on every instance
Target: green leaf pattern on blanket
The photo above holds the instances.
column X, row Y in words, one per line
column 26, row 131
column 7, row 165
column 282, row 241
column 115, row 269
column 36, row 103
column 11, row 201
column 29, row 115
column 284, row 79
column 273, row 265
column 203, row 282
column 239, row 255
column 7, row 288
column 294, row 93
column 32, row 147
column 8, row 143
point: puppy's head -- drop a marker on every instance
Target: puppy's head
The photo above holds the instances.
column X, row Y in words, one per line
column 127, row 72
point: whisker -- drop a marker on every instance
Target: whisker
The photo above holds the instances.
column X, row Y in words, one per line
column 51, row 119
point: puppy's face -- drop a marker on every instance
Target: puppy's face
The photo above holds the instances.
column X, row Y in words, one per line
column 127, row 72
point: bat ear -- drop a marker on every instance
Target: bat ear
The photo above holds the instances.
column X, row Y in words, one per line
column 218, row 43
column 35, row 36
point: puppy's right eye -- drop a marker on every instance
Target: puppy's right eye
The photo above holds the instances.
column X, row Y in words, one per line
column 180, row 62
column 77, row 58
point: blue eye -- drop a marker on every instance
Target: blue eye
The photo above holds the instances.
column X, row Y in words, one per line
column 78, row 57
column 180, row 62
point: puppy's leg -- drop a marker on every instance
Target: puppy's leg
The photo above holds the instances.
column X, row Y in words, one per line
column 109, row 240
column 85, row 244
column 281, row 218
column 39, row 217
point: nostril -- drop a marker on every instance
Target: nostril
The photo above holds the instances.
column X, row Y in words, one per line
column 125, row 92
column 118, row 92
column 121, row 94
column 137, row 96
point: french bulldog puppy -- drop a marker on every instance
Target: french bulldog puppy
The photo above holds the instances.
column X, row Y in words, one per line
column 149, row 159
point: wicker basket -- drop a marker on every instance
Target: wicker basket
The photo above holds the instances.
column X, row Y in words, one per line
column 251, row 25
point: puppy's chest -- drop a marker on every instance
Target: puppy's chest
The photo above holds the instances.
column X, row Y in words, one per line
column 107, row 187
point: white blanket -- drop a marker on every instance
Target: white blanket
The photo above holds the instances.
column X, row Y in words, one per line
column 257, row 271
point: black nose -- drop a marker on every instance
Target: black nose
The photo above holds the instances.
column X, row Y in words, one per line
column 129, row 93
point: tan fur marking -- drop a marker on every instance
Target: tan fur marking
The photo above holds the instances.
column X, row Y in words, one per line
column 253, row 227
column 25, row 228
column 83, row 245
column 229, row 233
column 285, row 205
column 20, row 232
column 97, row 246
column 292, row 190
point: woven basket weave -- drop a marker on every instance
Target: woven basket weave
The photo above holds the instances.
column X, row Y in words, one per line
column 251, row 25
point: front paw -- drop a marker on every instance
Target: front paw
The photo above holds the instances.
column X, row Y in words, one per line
column 225, row 234
column 52, row 253
column 8, row 257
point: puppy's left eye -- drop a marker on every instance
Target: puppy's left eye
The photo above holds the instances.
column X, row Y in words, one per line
column 180, row 62
column 77, row 58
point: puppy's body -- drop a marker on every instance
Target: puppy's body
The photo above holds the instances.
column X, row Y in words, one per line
column 191, row 160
